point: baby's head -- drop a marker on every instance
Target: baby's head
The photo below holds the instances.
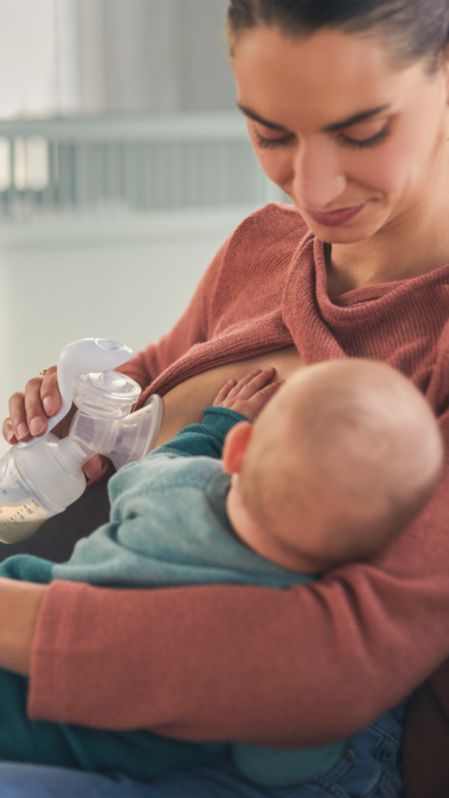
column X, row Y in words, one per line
column 337, row 464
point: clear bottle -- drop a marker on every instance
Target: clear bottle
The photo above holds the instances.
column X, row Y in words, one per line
column 41, row 478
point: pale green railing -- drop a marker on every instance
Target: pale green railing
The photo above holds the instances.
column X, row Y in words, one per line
column 135, row 164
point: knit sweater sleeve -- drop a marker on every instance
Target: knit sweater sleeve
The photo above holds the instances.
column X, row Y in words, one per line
column 205, row 439
column 295, row 667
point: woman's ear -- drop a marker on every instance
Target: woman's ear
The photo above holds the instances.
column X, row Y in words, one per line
column 235, row 446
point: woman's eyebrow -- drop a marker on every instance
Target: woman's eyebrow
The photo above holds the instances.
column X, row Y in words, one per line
column 355, row 119
column 350, row 120
column 252, row 115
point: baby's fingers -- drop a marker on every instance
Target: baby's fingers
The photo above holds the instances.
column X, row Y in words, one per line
column 224, row 392
column 261, row 397
column 253, row 383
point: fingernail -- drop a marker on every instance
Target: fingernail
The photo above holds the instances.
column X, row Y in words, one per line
column 36, row 425
column 49, row 406
column 22, row 430
column 10, row 435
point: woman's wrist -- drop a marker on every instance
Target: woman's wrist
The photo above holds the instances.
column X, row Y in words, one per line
column 19, row 610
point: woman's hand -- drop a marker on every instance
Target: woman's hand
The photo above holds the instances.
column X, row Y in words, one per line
column 249, row 394
column 30, row 411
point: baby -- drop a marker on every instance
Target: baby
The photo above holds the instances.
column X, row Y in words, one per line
column 336, row 465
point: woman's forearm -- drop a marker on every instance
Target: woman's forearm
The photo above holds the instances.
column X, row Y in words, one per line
column 19, row 608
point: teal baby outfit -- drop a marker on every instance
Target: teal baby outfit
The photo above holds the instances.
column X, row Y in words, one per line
column 168, row 526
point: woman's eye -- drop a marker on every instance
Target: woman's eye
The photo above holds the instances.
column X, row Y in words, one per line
column 371, row 141
column 282, row 141
column 266, row 141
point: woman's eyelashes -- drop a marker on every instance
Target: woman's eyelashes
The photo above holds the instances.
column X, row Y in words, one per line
column 381, row 135
column 263, row 141
column 347, row 141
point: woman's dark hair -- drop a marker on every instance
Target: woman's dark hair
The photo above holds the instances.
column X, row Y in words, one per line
column 417, row 29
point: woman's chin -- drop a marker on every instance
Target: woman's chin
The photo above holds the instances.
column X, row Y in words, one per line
column 342, row 236
column 349, row 233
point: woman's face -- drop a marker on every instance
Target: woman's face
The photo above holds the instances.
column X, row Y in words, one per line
column 337, row 126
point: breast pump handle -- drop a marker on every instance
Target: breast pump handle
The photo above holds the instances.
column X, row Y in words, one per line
column 84, row 356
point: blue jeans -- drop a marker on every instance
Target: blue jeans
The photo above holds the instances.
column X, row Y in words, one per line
column 369, row 768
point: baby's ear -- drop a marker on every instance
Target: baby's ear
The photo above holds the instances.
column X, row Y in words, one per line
column 235, row 446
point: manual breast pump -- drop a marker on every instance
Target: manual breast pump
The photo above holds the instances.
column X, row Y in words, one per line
column 41, row 478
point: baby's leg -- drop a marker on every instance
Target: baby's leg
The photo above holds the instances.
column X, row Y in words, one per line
column 371, row 768
column 139, row 755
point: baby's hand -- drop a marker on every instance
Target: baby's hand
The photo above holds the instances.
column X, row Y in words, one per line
column 250, row 394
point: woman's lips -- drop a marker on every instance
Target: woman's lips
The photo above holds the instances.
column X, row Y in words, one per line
column 334, row 218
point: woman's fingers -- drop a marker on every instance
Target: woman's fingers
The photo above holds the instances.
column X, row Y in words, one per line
column 8, row 431
column 29, row 411
column 18, row 418
column 49, row 392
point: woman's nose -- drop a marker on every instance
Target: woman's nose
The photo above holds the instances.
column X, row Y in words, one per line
column 317, row 178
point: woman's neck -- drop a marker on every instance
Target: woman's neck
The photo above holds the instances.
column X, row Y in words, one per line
column 359, row 266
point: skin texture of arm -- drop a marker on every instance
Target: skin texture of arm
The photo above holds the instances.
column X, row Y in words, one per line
column 20, row 604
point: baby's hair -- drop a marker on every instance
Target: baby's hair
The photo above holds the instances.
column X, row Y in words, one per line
column 347, row 447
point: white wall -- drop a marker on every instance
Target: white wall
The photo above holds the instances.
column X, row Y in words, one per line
column 127, row 279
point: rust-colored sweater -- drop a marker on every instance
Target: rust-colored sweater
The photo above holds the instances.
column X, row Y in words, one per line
column 294, row 667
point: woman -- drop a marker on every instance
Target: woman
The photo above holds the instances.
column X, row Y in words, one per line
column 346, row 105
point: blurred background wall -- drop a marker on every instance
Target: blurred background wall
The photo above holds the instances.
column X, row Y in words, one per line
column 123, row 165
column 161, row 55
column 101, row 56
